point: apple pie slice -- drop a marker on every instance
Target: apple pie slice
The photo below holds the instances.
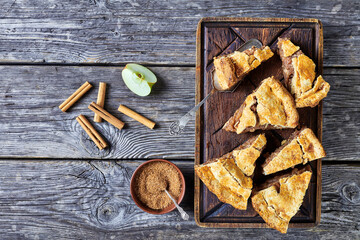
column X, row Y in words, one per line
column 232, row 68
column 301, row 147
column 228, row 177
column 281, row 199
column 299, row 74
column 270, row 106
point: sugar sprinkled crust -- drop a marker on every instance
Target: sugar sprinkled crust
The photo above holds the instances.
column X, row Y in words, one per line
column 300, row 148
column 232, row 68
column 278, row 206
column 299, row 74
column 270, row 106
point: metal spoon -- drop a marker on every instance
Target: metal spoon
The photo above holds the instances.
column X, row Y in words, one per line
column 178, row 126
column 183, row 214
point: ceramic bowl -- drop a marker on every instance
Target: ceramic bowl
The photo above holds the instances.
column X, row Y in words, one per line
column 140, row 204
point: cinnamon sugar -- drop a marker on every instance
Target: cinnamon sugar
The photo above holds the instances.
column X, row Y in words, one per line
column 151, row 181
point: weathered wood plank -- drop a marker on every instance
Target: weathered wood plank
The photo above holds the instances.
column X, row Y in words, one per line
column 33, row 126
column 91, row 200
column 153, row 31
column 341, row 134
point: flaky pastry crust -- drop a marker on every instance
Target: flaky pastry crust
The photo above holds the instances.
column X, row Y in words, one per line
column 270, row 106
column 302, row 147
column 232, row 68
column 299, row 73
column 225, row 177
column 278, row 207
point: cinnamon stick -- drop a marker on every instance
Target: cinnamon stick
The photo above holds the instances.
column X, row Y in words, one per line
column 100, row 100
column 91, row 131
column 134, row 115
column 75, row 96
column 106, row 115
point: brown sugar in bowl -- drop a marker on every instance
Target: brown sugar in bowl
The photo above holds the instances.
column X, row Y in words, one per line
column 140, row 204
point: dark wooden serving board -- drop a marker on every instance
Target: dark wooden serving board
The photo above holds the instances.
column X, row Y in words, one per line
column 217, row 36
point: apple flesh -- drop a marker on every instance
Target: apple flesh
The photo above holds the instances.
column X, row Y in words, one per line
column 138, row 79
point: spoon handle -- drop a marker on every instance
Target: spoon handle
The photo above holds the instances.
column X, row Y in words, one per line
column 178, row 126
column 183, row 214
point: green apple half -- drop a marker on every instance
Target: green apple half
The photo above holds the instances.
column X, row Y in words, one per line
column 138, row 79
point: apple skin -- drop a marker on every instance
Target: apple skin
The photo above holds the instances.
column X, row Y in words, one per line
column 138, row 79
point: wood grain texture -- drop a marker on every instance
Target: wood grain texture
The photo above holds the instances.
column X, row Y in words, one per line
column 306, row 33
column 341, row 109
column 33, row 126
column 117, row 31
column 91, row 200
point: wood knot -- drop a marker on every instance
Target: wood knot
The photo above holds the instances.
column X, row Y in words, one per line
column 350, row 192
column 91, row 148
column 84, row 142
column 113, row 211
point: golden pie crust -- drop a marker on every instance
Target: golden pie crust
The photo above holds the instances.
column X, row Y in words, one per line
column 302, row 147
column 277, row 205
column 299, row 74
column 223, row 193
column 232, row 68
column 313, row 96
column 288, row 47
column 245, row 157
column 228, row 177
column 270, row 106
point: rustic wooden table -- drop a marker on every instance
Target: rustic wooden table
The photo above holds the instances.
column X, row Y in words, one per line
column 53, row 180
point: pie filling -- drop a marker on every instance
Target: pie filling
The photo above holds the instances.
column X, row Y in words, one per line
column 232, row 68
column 270, row 106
